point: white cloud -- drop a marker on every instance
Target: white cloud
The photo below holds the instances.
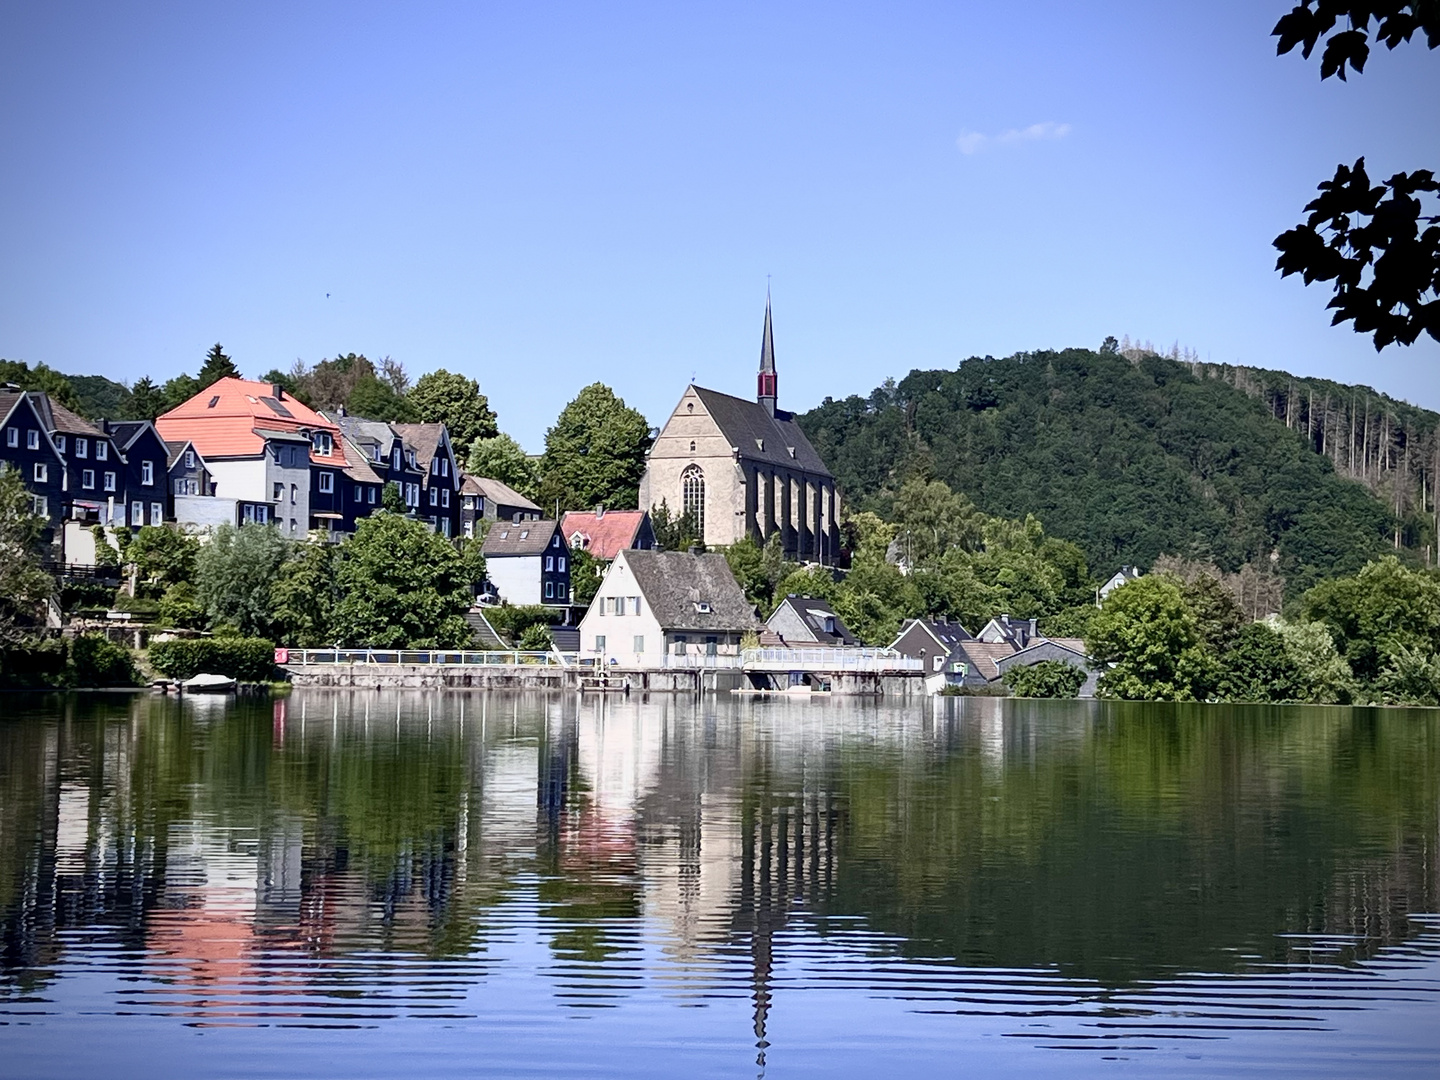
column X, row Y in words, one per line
column 973, row 142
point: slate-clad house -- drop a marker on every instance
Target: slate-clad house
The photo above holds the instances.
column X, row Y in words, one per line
column 483, row 499
column 939, row 644
column 744, row 468
column 391, row 459
column 147, row 468
column 528, row 562
column 186, row 471
column 954, row 657
column 260, row 445
column 805, row 622
column 95, row 469
column 440, row 476
column 363, row 486
column 26, row 446
column 659, row 609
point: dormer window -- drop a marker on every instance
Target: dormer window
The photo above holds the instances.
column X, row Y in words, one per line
column 760, row 445
column 702, row 607
column 792, row 450
column 322, row 443
column 395, row 458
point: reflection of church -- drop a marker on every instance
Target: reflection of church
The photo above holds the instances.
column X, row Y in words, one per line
column 744, row 468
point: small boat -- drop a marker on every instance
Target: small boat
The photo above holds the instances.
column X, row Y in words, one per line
column 208, row 684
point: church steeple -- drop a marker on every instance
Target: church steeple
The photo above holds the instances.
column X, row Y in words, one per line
column 765, row 384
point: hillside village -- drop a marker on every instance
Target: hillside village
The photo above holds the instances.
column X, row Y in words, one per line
column 720, row 548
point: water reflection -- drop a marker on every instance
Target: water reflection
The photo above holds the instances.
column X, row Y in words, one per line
column 1116, row 877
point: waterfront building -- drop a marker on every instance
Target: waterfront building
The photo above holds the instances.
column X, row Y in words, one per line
column 528, row 562
column 801, row 622
column 744, row 468
column 439, row 475
column 659, row 609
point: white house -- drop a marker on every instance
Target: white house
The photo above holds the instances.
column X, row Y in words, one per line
column 657, row 609
column 528, row 562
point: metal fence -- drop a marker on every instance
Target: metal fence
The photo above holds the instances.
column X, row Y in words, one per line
column 856, row 659
column 435, row 657
column 691, row 661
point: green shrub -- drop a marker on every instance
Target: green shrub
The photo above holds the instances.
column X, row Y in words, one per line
column 513, row 622
column 245, row 659
column 180, row 607
column 34, row 662
column 536, row 638
column 95, row 660
column 75, row 595
column 1045, row 679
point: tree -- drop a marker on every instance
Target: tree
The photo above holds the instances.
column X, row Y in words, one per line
column 42, row 378
column 180, row 607
column 179, row 390
column 147, row 401
column 288, row 381
column 162, row 556
column 303, row 595
column 932, row 519
column 1149, row 641
column 233, row 576
column 747, row 563
column 1411, row 677
column 392, row 499
column 595, row 453
column 440, row 397
column 400, row 586
column 1377, row 612
column 374, row 398
column 1367, row 240
column 1322, row 675
column 217, row 366
column 586, row 573
column 1258, row 667
column 1218, row 619
column 1044, row 679
column 674, row 532
column 536, row 638
column 24, row 585
column 500, row 457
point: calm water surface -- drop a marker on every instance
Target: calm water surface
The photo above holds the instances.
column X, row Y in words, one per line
column 352, row 884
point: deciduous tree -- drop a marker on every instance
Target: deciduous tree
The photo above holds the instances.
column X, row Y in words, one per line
column 233, row 576
column 1150, row 642
column 595, row 453
column 440, row 397
column 500, row 457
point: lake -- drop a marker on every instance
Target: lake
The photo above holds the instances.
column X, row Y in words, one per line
column 461, row 884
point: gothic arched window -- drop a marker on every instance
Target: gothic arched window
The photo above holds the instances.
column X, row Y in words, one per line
column 692, row 497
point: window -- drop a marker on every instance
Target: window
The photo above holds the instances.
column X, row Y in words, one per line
column 435, row 466
column 410, row 459
column 599, row 642
column 939, row 661
column 470, row 530
column 371, row 500
column 555, row 542
column 42, row 506
column 560, row 564
column 137, row 513
column 213, row 402
column 395, row 459
column 445, row 532
column 634, row 605
column 549, row 590
column 109, row 481
column 32, row 440
column 87, row 478
column 322, row 443
column 157, row 513
column 147, row 473
column 692, row 497
column 189, row 459
column 639, row 643
column 294, row 526
column 102, row 451
column 359, row 494
column 82, row 447
column 42, row 472
column 692, row 446
column 294, row 493
column 327, row 483
column 445, row 497
column 434, row 497
column 279, row 491
column 549, row 563
column 444, row 466
column 559, row 590
column 12, row 436
column 60, row 443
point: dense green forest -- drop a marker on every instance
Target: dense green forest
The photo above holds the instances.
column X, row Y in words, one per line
column 1133, row 455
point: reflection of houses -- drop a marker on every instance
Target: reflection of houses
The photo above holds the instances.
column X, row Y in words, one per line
column 742, row 468
column 658, row 609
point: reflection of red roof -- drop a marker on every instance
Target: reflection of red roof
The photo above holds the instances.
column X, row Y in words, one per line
column 222, row 421
column 604, row 536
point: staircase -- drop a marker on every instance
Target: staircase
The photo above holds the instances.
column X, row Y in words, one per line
column 485, row 635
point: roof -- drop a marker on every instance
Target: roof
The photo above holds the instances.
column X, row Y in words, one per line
column 757, row 435
column 363, row 432
column 690, row 592
column 230, row 418
column 983, row 654
column 526, row 538
column 175, row 450
column 358, row 466
column 605, row 534
column 949, row 635
column 63, row 420
column 125, row 432
column 424, row 439
column 814, row 612
column 498, row 493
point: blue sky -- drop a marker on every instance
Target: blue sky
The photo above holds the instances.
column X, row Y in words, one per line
column 546, row 195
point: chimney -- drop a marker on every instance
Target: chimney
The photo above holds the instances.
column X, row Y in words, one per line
column 599, row 511
column 277, row 391
column 339, row 409
column 1034, row 630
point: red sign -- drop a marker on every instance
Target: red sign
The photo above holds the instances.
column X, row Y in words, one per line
column 282, row 656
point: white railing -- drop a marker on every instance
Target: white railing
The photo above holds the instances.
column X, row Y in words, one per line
column 856, row 659
column 691, row 661
column 429, row 657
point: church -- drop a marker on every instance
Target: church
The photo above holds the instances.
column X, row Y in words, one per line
column 744, row 468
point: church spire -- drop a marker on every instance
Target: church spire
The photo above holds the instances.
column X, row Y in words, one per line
column 765, row 385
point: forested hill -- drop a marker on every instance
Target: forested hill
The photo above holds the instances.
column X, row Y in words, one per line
column 1134, row 456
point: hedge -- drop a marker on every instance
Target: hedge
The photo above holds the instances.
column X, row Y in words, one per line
column 56, row 663
column 245, row 659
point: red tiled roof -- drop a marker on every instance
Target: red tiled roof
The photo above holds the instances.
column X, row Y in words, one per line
column 604, row 537
column 227, row 428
